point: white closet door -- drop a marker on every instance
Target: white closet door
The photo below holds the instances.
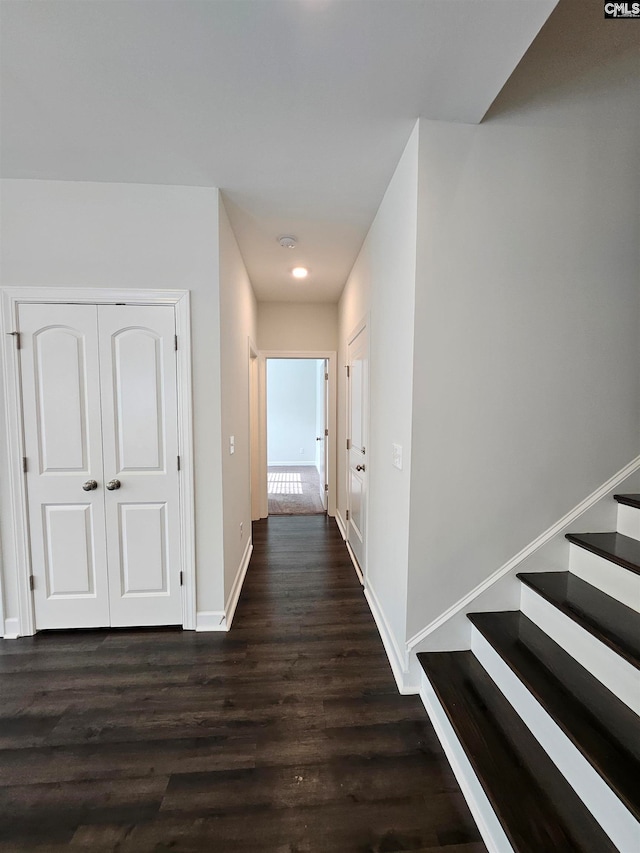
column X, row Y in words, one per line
column 63, row 443
column 139, row 410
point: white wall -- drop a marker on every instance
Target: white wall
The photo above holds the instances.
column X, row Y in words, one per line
column 303, row 327
column 238, row 326
column 383, row 282
column 526, row 393
column 291, row 411
column 126, row 235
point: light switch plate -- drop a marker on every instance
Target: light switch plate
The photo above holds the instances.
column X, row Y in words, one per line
column 232, row 444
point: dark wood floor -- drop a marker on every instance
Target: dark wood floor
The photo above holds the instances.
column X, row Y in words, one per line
column 286, row 734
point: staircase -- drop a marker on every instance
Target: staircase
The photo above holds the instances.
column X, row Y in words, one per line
column 539, row 719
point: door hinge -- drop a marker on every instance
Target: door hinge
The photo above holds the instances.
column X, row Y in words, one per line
column 326, row 487
column 348, row 371
column 181, row 578
column 24, row 464
column 32, row 583
column 178, row 463
column 326, row 432
column 175, row 342
column 347, row 515
column 15, row 335
column 348, row 444
column 326, row 376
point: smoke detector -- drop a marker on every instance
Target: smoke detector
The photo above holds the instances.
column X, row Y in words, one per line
column 287, row 241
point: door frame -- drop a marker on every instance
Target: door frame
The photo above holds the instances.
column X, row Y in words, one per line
column 331, row 357
column 324, row 427
column 24, row 623
column 255, row 432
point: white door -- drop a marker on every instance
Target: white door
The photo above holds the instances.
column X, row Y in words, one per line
column 99, row 401
column 63, row 441
column 140, row 422
column 357, row 442
column 322, row 431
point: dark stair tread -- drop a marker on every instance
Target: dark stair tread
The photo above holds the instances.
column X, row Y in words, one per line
column 615, row 547
column 629, row 500
column 536, row 806
column 613, row 623
column 602, row 727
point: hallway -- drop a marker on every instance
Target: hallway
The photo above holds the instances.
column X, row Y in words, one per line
column 286, row 734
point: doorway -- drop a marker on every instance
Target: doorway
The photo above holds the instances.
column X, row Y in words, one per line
column 323, row 363
column 297, row 433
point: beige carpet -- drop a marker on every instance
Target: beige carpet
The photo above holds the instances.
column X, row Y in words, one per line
column 294, row 490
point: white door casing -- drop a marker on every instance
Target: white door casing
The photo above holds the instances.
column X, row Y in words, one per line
column 330, row 358
column 357, row 443
column 17, row 617
column 255, row 434
column 322, row 428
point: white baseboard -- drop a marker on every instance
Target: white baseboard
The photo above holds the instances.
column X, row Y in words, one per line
column 511, row 565
column 490, row 828
column 236, row 589
column 400, row 673
column 211, row 620
column 11, row 629
column 296, row 463
column 354, row 560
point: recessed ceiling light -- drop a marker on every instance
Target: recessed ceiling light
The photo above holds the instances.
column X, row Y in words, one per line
column 299, row 272
column 287, row 241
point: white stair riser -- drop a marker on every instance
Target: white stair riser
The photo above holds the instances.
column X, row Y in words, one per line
column 613, row 671
column 612, row 579
column 612, row 815
column 628, row 521
column 490, row 828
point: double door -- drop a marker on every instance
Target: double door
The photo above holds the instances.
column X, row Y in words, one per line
column 100, row 434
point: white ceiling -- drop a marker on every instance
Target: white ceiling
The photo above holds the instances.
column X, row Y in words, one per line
column 298, row 109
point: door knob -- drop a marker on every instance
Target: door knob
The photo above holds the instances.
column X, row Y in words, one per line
column 113, row 484
column 358, row 468
column 90, row 485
